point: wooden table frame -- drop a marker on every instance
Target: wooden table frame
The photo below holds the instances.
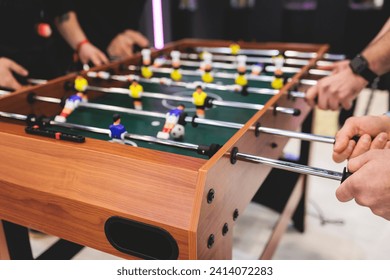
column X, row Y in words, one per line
column 71, row 190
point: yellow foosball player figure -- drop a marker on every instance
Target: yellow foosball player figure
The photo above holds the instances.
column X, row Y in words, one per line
column 278, row 81
column 146, row 71
column 176, row 73
column 241, row 78
column 135, row 92
column 72, row 102
column 235, row 49
column 199, row 98
column 80, row 83
column 207, row 67
column 207, row 76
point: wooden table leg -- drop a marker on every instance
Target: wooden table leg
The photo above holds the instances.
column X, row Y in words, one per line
column 283, row 221
column 4, row 253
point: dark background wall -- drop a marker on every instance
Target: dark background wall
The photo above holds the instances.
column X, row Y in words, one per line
column 333, row 22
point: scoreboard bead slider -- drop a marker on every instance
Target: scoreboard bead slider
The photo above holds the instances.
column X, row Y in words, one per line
column 36, row 130
column 35, row 126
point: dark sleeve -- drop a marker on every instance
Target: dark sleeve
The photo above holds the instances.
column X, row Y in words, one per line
column 102, row 21
column 128, row 17
column 57, row 8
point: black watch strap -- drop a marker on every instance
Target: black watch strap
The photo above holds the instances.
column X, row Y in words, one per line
column 359, row 66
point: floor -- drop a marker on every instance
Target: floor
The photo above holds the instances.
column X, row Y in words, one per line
column 334, row 230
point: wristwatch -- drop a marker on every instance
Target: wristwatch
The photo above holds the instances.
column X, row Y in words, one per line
column 359, row 66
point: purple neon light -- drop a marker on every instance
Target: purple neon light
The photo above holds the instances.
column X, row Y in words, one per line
column 158, row 25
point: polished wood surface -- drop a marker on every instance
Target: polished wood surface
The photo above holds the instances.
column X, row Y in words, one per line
column 66, row 188
column 70, row 190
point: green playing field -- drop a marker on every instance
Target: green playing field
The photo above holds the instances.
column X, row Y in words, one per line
column 143, row 125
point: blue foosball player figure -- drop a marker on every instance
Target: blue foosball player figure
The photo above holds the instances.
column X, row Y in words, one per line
column 71, row 103
column 118, row 131
column 173, row 125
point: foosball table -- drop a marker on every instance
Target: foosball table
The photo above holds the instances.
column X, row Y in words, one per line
column 156, row 191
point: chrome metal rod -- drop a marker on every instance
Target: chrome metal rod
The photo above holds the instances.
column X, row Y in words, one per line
column 331, row 56
column 129, row 111
column 109, row 90
column 36, row 81
column 81, row 127
column 198, row 73
column 320, row 72
column 265, row 60
column 250, row 60
column 287, row 111
column 159, row 115
column 130, row 136
column 259, row 52
column 225, row 50
column 104, row 131
column 316, row 72
column 4, row 92
column 323, row 63
column 169, row 82
column 122, row 110
column 230, row 76
column 297, row 135
column 233, row 125
column 308, row 82
column 13, row 116
column 298, row 94
column 171, row 143
column 47, row 99
column 289, row 166
column 214, row 123
column 232, row 104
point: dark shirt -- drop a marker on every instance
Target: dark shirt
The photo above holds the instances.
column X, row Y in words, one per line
column 103, row 20
column 19, row 39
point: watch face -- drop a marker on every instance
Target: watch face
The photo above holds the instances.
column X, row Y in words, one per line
column 358, row 64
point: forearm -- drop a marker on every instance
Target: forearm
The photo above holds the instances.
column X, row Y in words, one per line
column 378, row 55
column 69, row 27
